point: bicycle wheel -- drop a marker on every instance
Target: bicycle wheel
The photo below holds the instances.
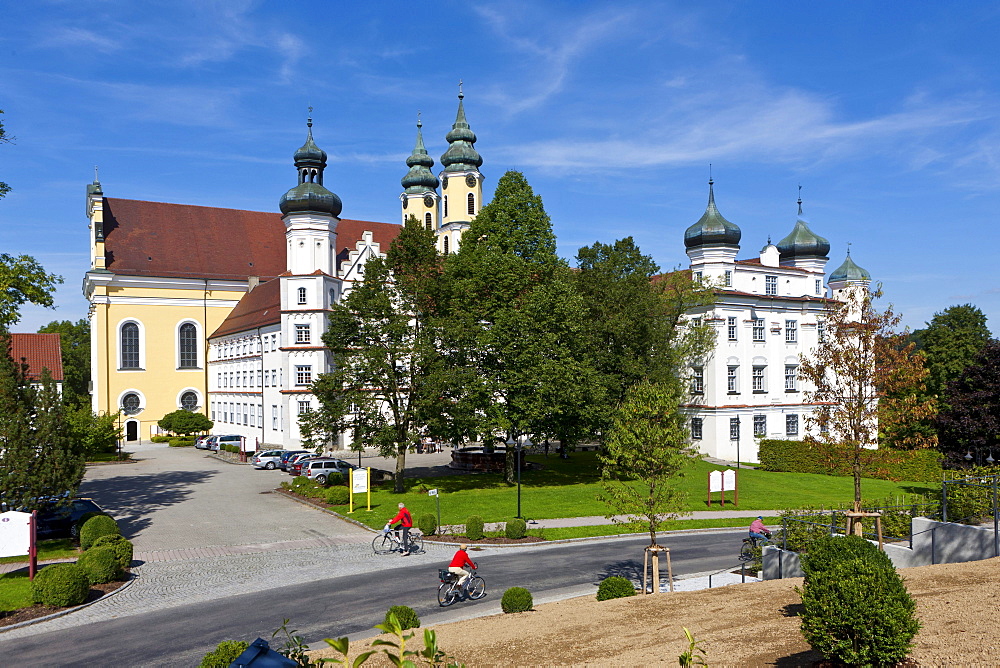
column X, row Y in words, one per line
column 383, row 544
column 746, row 552
column 416, row 543
column 447, row 594
column 477, row 588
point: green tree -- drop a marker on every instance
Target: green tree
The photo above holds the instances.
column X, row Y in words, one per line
column 951, row 341
column 512, row 328
column 38, row 457
column 866, row 378
column 94, row 433
column 381, row 349
column 74, row 339
column 23, row 280
column 4, row 139
column 643, row 458
column 184, row 422
column 971, row 417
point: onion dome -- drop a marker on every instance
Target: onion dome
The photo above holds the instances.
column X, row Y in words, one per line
column 310, row 196
column 419, row 179
column 803, row 242
column 712, row 228
column 461, row 155
column 849, row 272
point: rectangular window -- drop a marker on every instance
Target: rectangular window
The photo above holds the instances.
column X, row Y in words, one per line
column 759, row 425
column 819, row 286
column 697, row 380
column 791, row 331
column 304, row 408
column 246, row 415
column 696, row 429
column 731, row 376
column 791, row 425
column 731, row 326
column 253, row 415
column 770, row 285
column 303, row 334
column 696, row 322
column 232, row 383
column 697, row 276
column 274, row 378
column 303, row 375
column 821, row 331
column 729, row 278
column 734, row 429
column 219, row 380
column 260, row 379
column 274, row 418
column 791, row 378
column 213, row 410
column 758, row 379
column 758, row 329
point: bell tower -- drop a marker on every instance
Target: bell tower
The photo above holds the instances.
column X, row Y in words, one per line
column 461, row 181
column 420, row 198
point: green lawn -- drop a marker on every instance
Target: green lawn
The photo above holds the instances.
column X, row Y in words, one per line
column 569, row 488
column 48, row 549
column 15, row 591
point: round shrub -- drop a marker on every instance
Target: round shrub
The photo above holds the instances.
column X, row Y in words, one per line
column 516, row 599
column 405, row 615
column 181, row 442
column 516, row 528
column 427, row 524
column 60, row 586
column 122, row 547
column 857, row 611
column 474, row 527
column 224, row 655
column 334, row 478
column 100, row 564
column 829, row 550
column 615, row 587
column 95, row 527
column 338, row 496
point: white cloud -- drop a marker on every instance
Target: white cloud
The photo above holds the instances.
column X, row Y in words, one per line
column 80, row 38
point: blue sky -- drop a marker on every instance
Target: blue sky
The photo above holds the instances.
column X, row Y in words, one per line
column 887, row 114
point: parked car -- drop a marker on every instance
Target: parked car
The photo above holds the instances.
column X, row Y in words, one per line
column 287, row 455
column 213, row 442
column 65, row 521
column 199, row 443
column 321, row 468
column 267, row 459
column 294, row 465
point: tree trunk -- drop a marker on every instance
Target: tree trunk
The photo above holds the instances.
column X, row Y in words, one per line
column 509, row 464
column 400, row 468
column 856, row 469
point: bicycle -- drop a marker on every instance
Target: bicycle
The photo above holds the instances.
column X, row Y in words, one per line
column 751, row 543
column 389, row 541
column 450, row 591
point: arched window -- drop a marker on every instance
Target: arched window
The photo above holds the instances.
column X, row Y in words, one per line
column 189, row 401
column 427, row 221
column 445, row 200
column 472, row 204
column 302, row 295
column 446, row 245
column 130, row 345
column 187, row 342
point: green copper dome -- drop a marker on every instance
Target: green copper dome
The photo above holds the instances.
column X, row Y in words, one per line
column 310, row 196
column 712, row 228
column 461, row 155
column 849, row 272
column 802, row 242
column 419, row 179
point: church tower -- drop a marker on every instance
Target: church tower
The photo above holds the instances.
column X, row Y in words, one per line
column 804, row 248
column 461, row 181
column 420, row 198
column 712, row 243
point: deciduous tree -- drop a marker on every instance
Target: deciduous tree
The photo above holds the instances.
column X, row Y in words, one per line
column 951, row 341
column 866, row 379
column 74, row 340
column 184, row 422
column 4, row 139
column 23, row 280
column 972, row 416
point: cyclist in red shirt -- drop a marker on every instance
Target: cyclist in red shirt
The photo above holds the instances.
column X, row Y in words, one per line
column 458, row 562
column 406, row 523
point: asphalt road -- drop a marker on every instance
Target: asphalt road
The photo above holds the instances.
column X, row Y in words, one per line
column 353, row 604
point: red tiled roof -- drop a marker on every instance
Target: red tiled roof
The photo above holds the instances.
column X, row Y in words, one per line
column 187, row 241
column 40, row 351
column 261, row 306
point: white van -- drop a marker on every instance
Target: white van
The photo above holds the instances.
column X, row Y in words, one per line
column 214, row 442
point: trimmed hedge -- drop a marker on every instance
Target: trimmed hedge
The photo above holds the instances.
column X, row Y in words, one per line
column 856, row 610
column 801, row 457
column 615, row 587
column 160, row 439
column 121, row 546
column 338, row 496
column 474, row 527
column 515, row 528
column 95, row 527
column 100, row 564
column 224, row 654
column 60, row 586
column 181, row 442
column 427, row 524
column 516, row 599
column 405, row 615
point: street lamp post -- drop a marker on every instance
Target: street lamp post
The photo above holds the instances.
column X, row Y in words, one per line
column 517, row 445
column 734, row 434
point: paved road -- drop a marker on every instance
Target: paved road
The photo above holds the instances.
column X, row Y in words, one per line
column 349, row 604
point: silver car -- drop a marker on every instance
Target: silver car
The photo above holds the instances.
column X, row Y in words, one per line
column 268, row 459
